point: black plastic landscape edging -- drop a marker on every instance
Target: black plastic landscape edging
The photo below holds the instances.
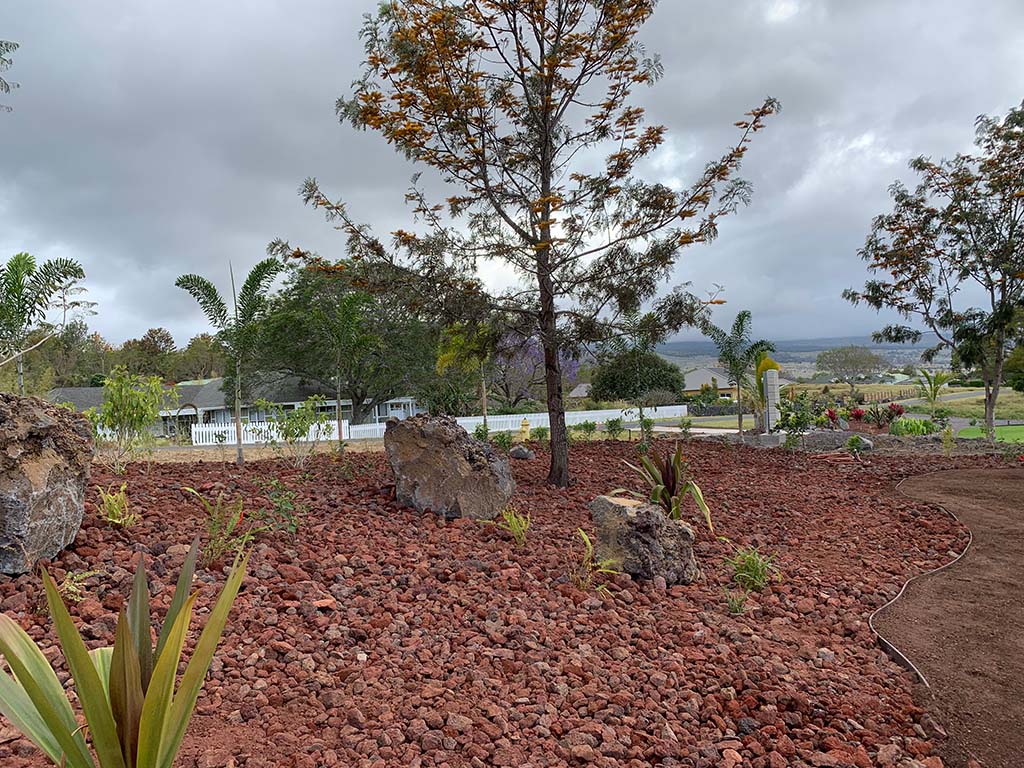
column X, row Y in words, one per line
column 895, row 653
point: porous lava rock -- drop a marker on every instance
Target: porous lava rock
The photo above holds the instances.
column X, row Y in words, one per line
column 520, row 451
column 440, row 468
column 643, row 540
column 45, row 453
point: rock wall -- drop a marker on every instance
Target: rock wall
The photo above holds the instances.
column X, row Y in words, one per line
column 45, row 453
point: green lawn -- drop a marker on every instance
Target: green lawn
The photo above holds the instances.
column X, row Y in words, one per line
column 1010, row 405
column 1013, row 434
column 721, row 422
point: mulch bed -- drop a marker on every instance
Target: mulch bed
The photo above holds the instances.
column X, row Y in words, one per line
column 379, row 637
column 962, row 627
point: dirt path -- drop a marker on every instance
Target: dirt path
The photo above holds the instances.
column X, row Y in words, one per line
column 964, row 626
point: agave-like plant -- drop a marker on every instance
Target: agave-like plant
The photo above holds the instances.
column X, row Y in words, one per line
column 669, row 484
column 135, row 715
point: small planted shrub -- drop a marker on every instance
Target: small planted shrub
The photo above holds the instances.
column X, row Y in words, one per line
column 72, row 586
column 283, row 513
column 855, row 445
column 539, row 433
column 115, row 509
column 588, row 429
column 903, row 426
column 667, row 478
column 223, row 527
column 614, row 428
column 686, row 426
column 948, row 441
column 751, row 570
column 481, row 433
column 502, row 440
column 586, row 572
column 736, row 602
column 136, row 710
column 857, row 414
column 296, row 432
column 515, row 523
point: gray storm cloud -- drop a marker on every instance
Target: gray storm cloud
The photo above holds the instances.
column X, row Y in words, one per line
column 152, row 139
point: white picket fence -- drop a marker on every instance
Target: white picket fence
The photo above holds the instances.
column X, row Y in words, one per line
column 262, row 432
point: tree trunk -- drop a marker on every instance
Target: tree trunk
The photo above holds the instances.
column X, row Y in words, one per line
column 558, row 473
column 739, row 412
column 359, row 410
column 21, row 375
column 337, row 411
column 483, row 395
column 239, row 457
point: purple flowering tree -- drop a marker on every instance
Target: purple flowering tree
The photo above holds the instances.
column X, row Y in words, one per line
column 517, row 370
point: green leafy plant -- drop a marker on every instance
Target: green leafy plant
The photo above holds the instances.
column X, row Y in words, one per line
column 223, row 527
column 131, row 405
column 481, row 432
column 588, row 429
column 72, row 586
column 796, row 417
column 115, row 509
column 587, row 572
column 540, row 433
column 515, row 523
column 855, row 445
column 296, row 432
column 686, row 426
column 502, row 440
column 284, row 512
column 667, row 478
column 136, row 715
column 918, row 427
column 751, row 570
column 614, row 428
column 948, row 441
column 736, row 601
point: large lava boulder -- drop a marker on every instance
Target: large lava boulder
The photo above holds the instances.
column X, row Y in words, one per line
column 439, row 467
column 643, row 540
column 45, row 453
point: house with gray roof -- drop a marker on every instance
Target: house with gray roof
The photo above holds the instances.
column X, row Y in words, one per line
column 203, row 402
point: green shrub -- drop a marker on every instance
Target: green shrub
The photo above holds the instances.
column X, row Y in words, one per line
column 284, row 513
column 588, row 429
column 515, row 523
column 223, row 527
column 502, row 440
column 540, row 433
column 295, row 432
column 587, row 572
column 131, row 405
column 133, row 712
column 918, row 427
column 614, row 428
column 115, row 509
column 669, row 485
column 736, row 602
column 751, row 570
column 481, row 433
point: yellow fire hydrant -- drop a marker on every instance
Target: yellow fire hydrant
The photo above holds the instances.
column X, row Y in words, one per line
column 524, row 431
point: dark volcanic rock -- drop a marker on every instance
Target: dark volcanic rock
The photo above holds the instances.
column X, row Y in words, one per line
column 439, row 467
column 45, row 452
column 643, row 540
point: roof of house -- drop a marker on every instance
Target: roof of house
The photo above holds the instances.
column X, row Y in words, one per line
column 700, row 377
column 82, row 398
column 580, row 391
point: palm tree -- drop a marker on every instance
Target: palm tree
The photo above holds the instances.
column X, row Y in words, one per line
column 737, row 354
column 930, row 387
column 27, row 291
column 235, row 331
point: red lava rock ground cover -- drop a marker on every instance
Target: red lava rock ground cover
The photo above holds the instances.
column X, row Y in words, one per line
column 379, row 637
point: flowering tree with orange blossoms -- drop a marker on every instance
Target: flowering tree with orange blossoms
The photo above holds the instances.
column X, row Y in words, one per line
column 523, row 107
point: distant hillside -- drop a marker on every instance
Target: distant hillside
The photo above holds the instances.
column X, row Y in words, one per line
column 704, row 347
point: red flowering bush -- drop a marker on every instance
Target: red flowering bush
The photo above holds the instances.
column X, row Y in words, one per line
column 856, row 414
column 833, row 418
column 895, row 411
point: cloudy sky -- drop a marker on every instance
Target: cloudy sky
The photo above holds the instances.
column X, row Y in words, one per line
column 154, row 138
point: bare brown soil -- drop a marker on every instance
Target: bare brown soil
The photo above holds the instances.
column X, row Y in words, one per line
column 962, row 627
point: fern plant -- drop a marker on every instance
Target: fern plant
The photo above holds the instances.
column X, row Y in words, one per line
column 136, row 710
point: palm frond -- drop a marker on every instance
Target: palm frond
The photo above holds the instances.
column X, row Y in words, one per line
column 252, row 297
column 204, row 292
